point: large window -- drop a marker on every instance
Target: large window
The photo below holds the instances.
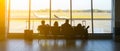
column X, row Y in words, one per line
column 39, row 11
column 102, row 16
column 77, row 11
column 60, row 10
column 81, row 13
column 18, row 16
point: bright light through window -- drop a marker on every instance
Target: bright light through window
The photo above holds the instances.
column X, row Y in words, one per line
column 81, row 10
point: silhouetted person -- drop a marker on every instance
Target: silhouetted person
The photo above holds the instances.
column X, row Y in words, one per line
column 66, row 28
column 79, row 30
column 85, row 31
column 55, row 30
column 48, row 29
column 43, row 29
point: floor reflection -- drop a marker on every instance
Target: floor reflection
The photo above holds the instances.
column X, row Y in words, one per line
column 59, row 45
column 62, row 44
column 3, row 45
column 28, row 45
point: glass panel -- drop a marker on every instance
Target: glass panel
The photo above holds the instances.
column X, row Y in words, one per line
column 81, row 13
column 40, row 11
column 102, row 16
column 17, row 26
column 18, row 16
column 102, row 26
column 60, row 11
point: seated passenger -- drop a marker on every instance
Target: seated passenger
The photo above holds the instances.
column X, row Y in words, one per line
column 48, row 29
column 43, row 29
column 79, row 29
column 66, row 28
column 85, row 31
column 55, row 29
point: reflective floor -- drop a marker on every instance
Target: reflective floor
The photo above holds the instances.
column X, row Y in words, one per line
column 59, row 45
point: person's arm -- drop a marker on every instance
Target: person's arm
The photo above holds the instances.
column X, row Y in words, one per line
column 87, row 27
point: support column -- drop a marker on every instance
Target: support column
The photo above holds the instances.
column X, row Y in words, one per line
column 117, row 21
column 2, row 20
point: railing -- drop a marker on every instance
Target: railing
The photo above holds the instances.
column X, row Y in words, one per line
column 61, row 19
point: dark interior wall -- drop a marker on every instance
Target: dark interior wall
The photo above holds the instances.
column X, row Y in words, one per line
column 117, row 13
column 117, row 20
column 2, row 19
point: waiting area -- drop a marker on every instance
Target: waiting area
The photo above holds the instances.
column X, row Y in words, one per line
column 31, row 25
column 63, row 31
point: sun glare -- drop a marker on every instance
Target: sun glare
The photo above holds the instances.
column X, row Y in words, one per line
column 57, row 4
column 24, row 4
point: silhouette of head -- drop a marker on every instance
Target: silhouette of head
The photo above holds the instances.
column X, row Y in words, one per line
column 56, row 23
column 79, row 25
column 43, row 22
column 66, row 21
column 84, row 27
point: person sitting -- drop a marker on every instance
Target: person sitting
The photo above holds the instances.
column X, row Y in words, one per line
column 48, row 29
column 79, row 30
column 55, row 30
column 66, row 28
column 43, row 29
column 86, row 32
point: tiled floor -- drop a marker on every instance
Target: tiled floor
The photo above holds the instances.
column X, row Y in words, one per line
column 59, row 45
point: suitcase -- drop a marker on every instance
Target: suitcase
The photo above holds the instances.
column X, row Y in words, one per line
column 28, row 34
